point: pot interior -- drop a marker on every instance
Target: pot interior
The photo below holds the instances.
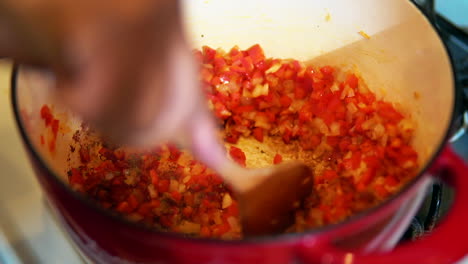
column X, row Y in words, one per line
column 403, row 61
column 389, row 43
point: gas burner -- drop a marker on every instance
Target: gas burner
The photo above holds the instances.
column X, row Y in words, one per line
column 429, row 215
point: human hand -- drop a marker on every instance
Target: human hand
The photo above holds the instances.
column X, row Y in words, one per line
column 124, row 66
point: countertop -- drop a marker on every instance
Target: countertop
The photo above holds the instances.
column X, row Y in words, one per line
column 28, row 233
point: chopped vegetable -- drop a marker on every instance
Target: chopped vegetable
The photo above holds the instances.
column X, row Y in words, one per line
column 357, row 146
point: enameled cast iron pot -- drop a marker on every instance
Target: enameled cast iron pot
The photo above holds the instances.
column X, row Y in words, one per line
column 404, row 57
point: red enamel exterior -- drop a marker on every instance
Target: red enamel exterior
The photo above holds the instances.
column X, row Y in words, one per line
column 445, row 245
column 106, row 239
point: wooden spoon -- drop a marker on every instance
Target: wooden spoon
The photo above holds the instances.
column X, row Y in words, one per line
column 267, row 197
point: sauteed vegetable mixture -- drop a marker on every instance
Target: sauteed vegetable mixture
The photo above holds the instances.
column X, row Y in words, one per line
column 269, row 110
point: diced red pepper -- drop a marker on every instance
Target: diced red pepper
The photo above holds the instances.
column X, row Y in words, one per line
column 287, row 136
column 244, row 109
column 123, row 207
column 144, row 209
column 256, row 53
column 355, row 160
column 76, row 177
column 387, row 111
column 236, row 54
column 365, row 179
column 300, row 91
column 232, row 136
column 327, row 70
column 165, row 220
column 132, row 202
column 391, row 181
column 352, row 81
column 247, row 64
column 329, row 175
column 344, row 144
column 285, row 101
column 224, row 228
column 258, row 134
column 219, row 63
column 154, row 177
column 333, row 141
column 277, row 159
column 381, row 191
column 205, row 231
column 55, row 127
column 187, row 211
column 315, row 91
column 238, row 155
column 372, row 161
column 84, row 155
column 176, row 196
column 46, row 115
column 208, row 54
column 155, row 203
column 305, row 114
column 163, row 186
column 175, row 153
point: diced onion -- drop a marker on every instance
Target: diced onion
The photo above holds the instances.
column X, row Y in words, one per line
column 379, row 131
column 288, row 86
column 189, row 227
column 109, row 176
column 234, row 223
column 334, row 87
column 369, row 124
column 225, row 113
column 197, row 169
column 227, row 201
column 223, row 88
column 210, row 105
column 347, row 92
column 260, row 90
column 352, row 108
column 256, row 81
column 262, row 121
column 174, row 185
column 131, row 177
column 217, row 217
column 272, row 79
column 406, row 124
column 274, row 68
column 186, row 179
column 182, row 188
column 334, row 129
column 323, row 128
column 134, row 217
column 152, row 191
column 296, row 105
column 362, row 105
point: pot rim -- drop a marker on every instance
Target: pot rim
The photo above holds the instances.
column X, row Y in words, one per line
column 249, row 240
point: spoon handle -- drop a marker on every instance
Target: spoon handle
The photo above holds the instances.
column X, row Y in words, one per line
column 202, row 139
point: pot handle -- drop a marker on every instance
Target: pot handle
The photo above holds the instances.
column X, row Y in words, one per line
column 444, row 245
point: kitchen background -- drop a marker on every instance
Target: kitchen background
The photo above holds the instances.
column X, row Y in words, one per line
column 28, row 232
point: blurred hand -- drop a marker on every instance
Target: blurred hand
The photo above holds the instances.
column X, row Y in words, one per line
column 124, row 66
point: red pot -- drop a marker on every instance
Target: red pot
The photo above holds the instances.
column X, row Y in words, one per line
column 404, row 59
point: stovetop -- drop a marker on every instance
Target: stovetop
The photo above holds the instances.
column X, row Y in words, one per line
column 440, row 196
